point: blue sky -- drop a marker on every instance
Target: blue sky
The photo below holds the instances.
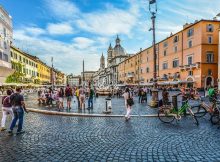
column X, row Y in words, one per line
column 73, row 30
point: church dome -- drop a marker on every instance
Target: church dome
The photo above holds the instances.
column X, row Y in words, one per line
column 118, row 49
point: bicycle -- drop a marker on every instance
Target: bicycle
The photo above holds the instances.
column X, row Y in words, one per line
column 203, row 109
column 168, row 114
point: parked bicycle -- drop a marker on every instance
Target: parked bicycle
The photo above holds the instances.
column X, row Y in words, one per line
column 204, row 108
column 168, row 113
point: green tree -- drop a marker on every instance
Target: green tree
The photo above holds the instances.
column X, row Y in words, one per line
column 16, row 77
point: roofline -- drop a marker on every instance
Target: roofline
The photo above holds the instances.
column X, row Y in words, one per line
column 1, row 7
column 190, row 25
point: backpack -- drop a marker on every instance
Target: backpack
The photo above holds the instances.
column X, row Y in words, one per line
column 211, row 92
column 68, row 91
column 6, row 100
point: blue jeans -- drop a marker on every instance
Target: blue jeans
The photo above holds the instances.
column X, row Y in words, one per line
column 90, row 101
column 18, row 115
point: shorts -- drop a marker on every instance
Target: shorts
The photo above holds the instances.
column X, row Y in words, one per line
column 60, row 99
column 69, row 98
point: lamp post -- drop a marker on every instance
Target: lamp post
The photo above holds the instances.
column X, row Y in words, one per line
column 52, row 73
column 153, row 11
column 218, row 15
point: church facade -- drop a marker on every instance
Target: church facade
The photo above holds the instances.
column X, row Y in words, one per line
column 108, row 75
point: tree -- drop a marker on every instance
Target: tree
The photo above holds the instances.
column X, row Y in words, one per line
column 16, row 77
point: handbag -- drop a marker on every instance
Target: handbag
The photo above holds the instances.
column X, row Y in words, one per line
column 130, row 100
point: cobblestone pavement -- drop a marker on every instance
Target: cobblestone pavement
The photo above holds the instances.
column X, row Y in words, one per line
column 57, row 138
column 118, row 107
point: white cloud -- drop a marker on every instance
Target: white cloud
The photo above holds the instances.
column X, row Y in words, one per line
column 82, row 42
column 67, row 57
column 59, row 29
column 62, row 8
column 35, row 31
column 110, row 21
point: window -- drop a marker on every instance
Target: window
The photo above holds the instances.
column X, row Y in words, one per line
column 5, row 58
column 20, row 58
column 210, row 39
column 141, row 71
column 165, row 65
column 190, row 73
column 147, row 70
column 209, row 72
column 24, row 70
column 165, row 52
column 176, row 39
column 209, row 28
column 1, row 55
column 190, row 32
column 11, row 54
column 147, row 59
column 4, row 31
column 165, row 44
column 189, row 43
column 5, row 45
column 175, row 49
column 210, row 57
column 175, row 63
column 190, row 60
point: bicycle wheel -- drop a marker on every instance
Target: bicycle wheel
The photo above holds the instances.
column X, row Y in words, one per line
column 215, row 118
column 199, row 111
column 193, row 116
column 165, row 116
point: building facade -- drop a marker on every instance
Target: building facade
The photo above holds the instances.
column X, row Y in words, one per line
column 43, row 73
column 188, row 57
column 6, row 37
column 109, row 76
column 87, row 77
column 25, row 64
column 73, row 80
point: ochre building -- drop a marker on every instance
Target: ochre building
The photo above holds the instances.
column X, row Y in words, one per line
column 188, row 57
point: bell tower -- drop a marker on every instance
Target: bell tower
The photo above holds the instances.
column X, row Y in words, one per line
column 110, row 51
column 102, row 62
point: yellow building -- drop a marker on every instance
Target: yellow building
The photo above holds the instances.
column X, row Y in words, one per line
column 25, row 65
column 43, row 72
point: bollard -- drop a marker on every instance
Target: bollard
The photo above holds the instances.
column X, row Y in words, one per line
column 107, row 105
column 174, row 102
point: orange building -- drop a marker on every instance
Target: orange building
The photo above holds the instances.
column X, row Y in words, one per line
column 187, row 57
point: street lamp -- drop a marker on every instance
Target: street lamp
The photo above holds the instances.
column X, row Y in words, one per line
column 153, row 11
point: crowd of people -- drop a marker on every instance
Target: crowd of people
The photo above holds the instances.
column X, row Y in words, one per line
column 48, row 97
column 13, row 102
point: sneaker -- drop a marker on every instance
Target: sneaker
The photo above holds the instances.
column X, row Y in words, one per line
column 3, row 129
column 20, row 132
column 10, row 133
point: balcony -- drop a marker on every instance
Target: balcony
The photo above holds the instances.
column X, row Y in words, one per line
column 190, row 67
column 130, row 75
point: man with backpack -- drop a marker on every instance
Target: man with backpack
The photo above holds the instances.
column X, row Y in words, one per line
column 18, row 107
column 68, row 94
column 90, row 100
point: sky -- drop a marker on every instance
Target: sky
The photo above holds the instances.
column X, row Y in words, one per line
column 73, row 30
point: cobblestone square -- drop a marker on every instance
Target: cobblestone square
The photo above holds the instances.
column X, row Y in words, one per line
column 60, row 138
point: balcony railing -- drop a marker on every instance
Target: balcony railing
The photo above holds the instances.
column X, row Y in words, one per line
column 190, row 67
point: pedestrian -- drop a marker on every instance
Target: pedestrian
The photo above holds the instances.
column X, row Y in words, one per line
column 90, row 100
column 60, row 98
column 18, row 107
column 6, row 109
column 77, row 97
column 82, row 98
column 128, row 103
column 140, row 95
column 68, row 94
column 165, row 95
column 184, row 97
